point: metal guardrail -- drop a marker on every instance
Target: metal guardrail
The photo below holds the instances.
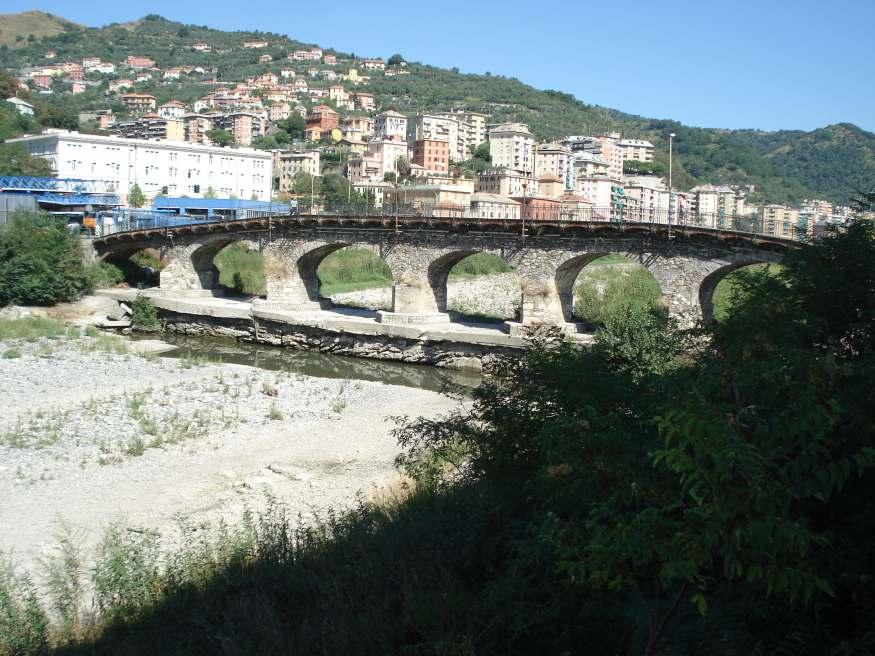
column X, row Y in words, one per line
column 133, row 220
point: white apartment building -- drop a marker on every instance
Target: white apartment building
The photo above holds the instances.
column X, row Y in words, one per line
column 587, row 165
column 606, row 147
column 598, row 190
column 493, row 206
column 288, row 163
column 636, row 149
column 505, row 182
column 381, row 158
column 512, row 146
column 647, row 195
column 554, row 159
column 170, row 167
column 472, row 130
column 390, row 125
column 717, row 200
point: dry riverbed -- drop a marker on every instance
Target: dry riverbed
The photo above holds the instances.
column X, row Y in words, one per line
column 90, row 432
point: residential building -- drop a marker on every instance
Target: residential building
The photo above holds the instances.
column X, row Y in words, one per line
column 137, row 61
column 165, row 167
column 555, row 159
column 245, row 126
column 196, row 127
column 265, row 59
column 779, row 220
column 647, row 198
column 605, row 147
column 512, row 146
column 202, row 47
column 321, row 118
column 357, row 127
column 102, row 118
column 493, row 206
column 472, row 128
column 600, row 190
column 587, row 165
column 329, row 60
column 506, row 182
column 150, row 127
column 364, row 101
column 279, row 111
column 717, row 203
column 287, row 74
column 21, row 106
column 539, row 207
column 288, row 163
column 551, row 186
column 172, row 73
column 374, row 192
column 432, row 199
column 435, row 127
column 172, row 109
column 77, row 87
column 139, row 102
column 432, row 154
column 381, row 158
column 373, row 64
column 254, row 45
column 390, row 125
column 636, row 149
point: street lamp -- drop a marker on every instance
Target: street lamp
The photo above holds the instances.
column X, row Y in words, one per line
column 523, row 214
column 671, row 137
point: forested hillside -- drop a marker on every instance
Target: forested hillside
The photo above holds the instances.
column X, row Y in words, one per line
column 833, row 162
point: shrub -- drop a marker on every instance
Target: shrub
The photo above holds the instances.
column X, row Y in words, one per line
column 103, row 274
column 144, row 314
column 11, row 354
column 40, row 261
column 23, row 623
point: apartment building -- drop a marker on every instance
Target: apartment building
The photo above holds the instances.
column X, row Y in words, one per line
column 606, row 147
column 151, row 127
column 432, row 154
column 137, row 61
column 139, row 102
column 357, row 127
column 380, row 158
column 554, row 159
column 779, row 220
column 245, row 126
column 196, row 127
column 717, row 201
column 601, row 191
column 165, row 167
column 390, row 125
column 588, row 165
column 636, row 149
column 493, row 206
column 512, row 146
column 506, row 182
column 279, row 111
column 472, row 128
column 288, row 163
column 322, row 117
column 172, row 109
column 365, row 102
column 432, row 127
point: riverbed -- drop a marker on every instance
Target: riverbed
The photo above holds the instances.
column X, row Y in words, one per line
column 91, row 433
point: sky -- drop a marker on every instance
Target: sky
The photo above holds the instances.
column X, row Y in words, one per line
column 769, row 65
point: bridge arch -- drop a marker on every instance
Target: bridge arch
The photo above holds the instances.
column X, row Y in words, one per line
column 710, row 283
column 439, row 271
column 193, row 268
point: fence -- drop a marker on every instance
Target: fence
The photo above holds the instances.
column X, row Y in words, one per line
column 127, row 220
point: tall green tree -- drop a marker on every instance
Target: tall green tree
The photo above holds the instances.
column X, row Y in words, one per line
column 135, row 196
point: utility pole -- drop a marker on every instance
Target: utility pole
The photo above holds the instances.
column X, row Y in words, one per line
column 671, row 137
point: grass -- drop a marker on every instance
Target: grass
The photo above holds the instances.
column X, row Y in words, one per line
column 32, row 328
column 241, row 270
column 604, row 288
column 11, row 354
column 727, row 288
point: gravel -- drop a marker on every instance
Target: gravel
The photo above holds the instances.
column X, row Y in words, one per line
column 88, row 435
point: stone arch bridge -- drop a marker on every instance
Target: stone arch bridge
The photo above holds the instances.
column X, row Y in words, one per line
column 687, row 262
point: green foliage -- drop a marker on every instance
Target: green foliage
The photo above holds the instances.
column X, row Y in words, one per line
column 480, row 264
column 23, row 623
column 220, row 137
column 144, row 314
column 605, row 290
column 352, row 268
column 15, row 160
column 241, row 270
column 40, row 261
column 103, row 274
column 135, row 196
column 31, row 328
column 634, row 167
column 395, row 60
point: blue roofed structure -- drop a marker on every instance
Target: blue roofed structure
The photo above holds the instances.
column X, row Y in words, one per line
column 70, row 197
column 218, row 208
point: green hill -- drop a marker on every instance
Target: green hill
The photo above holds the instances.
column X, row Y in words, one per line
column 17, row 30
column 834, row 162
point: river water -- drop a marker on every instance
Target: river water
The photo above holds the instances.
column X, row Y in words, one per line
column 319, row 365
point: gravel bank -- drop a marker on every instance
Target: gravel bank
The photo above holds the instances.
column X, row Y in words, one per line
column 89, row 433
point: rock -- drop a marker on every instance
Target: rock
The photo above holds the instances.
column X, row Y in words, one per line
column 115, row 311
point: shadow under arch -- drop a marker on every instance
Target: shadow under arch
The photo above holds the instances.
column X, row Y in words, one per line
column 439, row 271
column 709, row 284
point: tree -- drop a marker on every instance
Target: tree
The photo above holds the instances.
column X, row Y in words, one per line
column 395, row 60
column 40, row 261
column 403, row 167
column 15, row 160
column 220, row 137
column 136, row 197
column 210, row 193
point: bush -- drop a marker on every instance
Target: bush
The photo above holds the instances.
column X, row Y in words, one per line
column 103, row 274
column 23, row 623
column 144, row 314
column 40, row 261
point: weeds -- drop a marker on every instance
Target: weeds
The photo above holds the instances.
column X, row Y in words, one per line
column 11, row 354
column 31, row 328
column 274, row 413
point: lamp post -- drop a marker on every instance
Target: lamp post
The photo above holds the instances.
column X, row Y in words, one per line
column 671, row 137
column 523, row 212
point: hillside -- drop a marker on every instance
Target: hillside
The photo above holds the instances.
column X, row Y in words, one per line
column 834, row 162
column 17, row 30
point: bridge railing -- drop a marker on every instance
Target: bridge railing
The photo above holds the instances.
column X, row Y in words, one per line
column 517, row 216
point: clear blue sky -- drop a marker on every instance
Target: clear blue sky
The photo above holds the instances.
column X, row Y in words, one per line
column 769, row 64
